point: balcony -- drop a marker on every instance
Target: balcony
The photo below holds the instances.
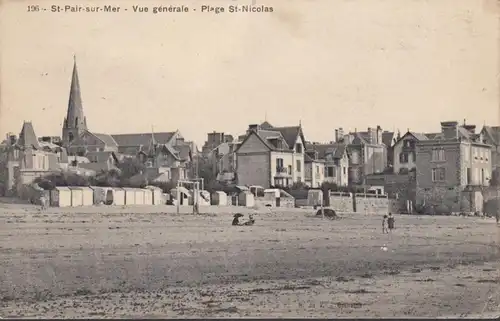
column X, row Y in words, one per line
column 282, row 172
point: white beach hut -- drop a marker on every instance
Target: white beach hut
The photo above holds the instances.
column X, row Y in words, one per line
column 60, row 196
column 139, row 196
column 157, row 195
column 118, row 194
column 219, row 198
column 129, row 196
column 76, row 196
column 148, row 196
column 87, row 196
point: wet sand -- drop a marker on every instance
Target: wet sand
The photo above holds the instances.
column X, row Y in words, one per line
column 150, row 262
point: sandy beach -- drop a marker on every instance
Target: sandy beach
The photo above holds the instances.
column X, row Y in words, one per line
column 136, row 262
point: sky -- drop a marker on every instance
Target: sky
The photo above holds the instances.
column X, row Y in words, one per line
column 400, row 64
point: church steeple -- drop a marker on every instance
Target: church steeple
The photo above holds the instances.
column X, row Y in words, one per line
column 75, row 122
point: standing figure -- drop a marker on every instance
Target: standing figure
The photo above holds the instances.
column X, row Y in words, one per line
column 384, row 224
column 390, row 222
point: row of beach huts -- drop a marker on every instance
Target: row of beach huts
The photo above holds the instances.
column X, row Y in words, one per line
column 74, row 196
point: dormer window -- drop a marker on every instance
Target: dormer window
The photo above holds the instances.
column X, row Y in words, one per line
column 298, row 148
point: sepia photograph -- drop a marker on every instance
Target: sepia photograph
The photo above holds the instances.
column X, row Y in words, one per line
column 249, row 159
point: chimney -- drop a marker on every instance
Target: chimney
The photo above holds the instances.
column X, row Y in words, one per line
column 371, row 136
column 379, row 134
column 470, row 128
column 11, row 138
column 449, row 129
column 336, row 139
column 253, row 127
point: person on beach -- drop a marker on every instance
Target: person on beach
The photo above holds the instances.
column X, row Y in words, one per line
column 390, row 222
column 384, row 225
column 250, row 221
column 236, row 219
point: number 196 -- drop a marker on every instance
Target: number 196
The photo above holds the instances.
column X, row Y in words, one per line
column 33, row 8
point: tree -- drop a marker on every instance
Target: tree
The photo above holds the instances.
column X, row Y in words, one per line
column 130, row 167
column 62, row 179
column 206, row 170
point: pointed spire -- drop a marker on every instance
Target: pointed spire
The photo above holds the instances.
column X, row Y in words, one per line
column 27, row 136
column 75, row 117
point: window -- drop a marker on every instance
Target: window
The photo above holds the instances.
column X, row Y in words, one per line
column 413, row 156
column 290, row 169
column 71, row 137
column 468, row 178
column 330, row 171
column 466, row 154
column 279, row 162
column 298, row 165
column 317, row 169
column 298, row 148
column 438, row 155
column 344, row 170
column 438, row 174
column 355, row 157
column 482, row 176
column 403, row 158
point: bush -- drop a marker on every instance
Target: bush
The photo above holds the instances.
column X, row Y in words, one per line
column 166, row 187
column 62, row 179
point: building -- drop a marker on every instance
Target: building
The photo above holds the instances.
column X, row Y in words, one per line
column 314, row 169
column 222, row 160
column 214, row 140
column 389, row 139
column 28, row 158
column 271, row 157
column 335, row 159
column 75, row 122
column 367, row 154
column 404, row 152
column 452, row 168
column 491, row 136
column 76, row 137
column 166, row 153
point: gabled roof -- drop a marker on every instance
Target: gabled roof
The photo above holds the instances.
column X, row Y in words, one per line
column 360, row 138
column 337, row 150
column 102, row 156
column 433, row 136
column 106, row 139
column 266, row 125
column 290, row 134
column 142, row 138
column 388, row 138
column 417, row 136
column 309, row 159
column 493, row 133
column 263, row 140
column 27, row 136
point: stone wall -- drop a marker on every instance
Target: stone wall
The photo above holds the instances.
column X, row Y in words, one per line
column 363, row 203
column 341, row 202
column 372, row 204
column 439, row 200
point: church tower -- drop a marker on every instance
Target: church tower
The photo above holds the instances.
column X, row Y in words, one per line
column 75, row 122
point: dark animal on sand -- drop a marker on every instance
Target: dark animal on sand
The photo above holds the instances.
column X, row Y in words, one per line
column 328, row 213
